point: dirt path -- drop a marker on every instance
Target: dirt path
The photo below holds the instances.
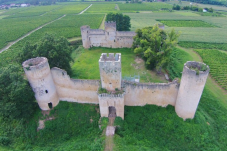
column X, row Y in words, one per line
column 102, row 26
column 85, row 9
column 34, row 30
column 117, row 7
column 109, row 141
column 214, row 88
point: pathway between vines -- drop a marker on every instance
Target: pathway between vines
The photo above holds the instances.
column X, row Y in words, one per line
column 34, row 30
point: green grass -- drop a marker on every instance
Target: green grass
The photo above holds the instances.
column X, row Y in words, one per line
column 86, row 65
column 203, row 45
column 217, row 63
column 156, row 128
column 75, row 127
column 128, row 7
column 185, row 23
column 177, row 59
column 197, row 34
column 102, row 8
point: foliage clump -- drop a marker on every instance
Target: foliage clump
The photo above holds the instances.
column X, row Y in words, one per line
column 17, row 98
column 122, row 21
column 56, row 49
column 155, row 46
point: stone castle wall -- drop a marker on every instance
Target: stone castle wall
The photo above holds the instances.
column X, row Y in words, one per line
column 106, row 38
column 161, row 94
column 53, row 85
column 74, row 90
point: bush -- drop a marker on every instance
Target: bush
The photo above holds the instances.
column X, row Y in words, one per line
column 4, row 141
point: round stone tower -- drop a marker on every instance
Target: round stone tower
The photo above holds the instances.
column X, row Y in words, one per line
column 193, row 80
column 39, row 76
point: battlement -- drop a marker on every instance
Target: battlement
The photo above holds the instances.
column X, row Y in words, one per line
column 110, row 24
column 84, row 27
column 125, row 33
column 111, row 58
column 111, row 95
column 96, row 31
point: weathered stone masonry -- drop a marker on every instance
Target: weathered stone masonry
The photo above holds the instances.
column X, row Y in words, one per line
column 106, row 38
column 53, row 85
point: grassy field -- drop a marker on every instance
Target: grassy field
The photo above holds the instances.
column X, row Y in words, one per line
column 198, row 34
column 75, row 127
column 86, row 64
column 217, row 62
column 128, row 7
column 156, row 128
column 185, row 23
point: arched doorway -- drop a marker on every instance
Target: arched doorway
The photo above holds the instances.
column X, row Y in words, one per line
column 112, row 111
column 50, row 105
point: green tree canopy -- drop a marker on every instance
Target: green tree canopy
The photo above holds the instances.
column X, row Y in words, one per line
column 155, row 45
column 55, row 49
column 16, row 97
column 122, row 21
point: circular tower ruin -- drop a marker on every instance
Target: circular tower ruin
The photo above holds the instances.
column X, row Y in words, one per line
column 39, row 76
column 193, row 80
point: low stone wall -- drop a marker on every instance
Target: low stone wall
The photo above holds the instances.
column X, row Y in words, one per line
column 161, row 94
column 71, row 90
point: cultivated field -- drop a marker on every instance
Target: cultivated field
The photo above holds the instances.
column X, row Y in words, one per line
column 32, row 11
column 76, row 126
column 199, row 34
column 12, row 29
column 217, row 62
column 143, row 7
column 102, row 8
column 185, row 23
column 67, row 27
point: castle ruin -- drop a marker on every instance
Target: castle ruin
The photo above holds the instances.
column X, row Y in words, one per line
column 109, row 37
column 53, row 85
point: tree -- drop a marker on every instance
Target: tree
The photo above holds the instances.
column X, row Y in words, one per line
column 122, row 21
column 155, row 45
column 55, row 49
column 17, row 98
column 176, row 7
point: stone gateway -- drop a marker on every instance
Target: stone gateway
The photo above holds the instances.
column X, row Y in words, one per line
column 111, row 91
